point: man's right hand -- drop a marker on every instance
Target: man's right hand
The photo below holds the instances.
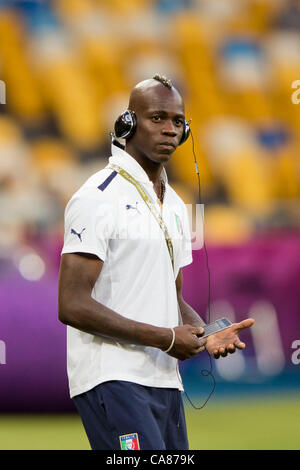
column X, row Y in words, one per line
column 187, row 344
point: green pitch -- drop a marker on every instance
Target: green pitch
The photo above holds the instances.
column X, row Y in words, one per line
column 262, row 424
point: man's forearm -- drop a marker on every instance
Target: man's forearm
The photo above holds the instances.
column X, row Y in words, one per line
column 188, row 314
column 87, row 315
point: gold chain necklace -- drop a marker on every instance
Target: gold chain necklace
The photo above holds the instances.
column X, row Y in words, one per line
column 162, row 191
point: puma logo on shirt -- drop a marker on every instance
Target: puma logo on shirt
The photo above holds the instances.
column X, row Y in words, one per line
column 129, row 206
column 78, row 234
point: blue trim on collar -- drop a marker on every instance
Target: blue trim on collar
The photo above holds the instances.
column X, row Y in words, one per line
column 107, row 181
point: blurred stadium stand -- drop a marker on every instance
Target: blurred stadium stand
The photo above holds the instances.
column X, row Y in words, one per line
column 68, row 67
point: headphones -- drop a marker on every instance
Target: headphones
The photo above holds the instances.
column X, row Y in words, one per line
column 125, row 126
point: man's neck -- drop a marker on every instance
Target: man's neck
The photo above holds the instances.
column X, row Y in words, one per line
column 153, row 169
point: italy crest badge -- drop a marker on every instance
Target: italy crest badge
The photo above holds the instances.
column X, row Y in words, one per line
column 179, row 224
column 129, row 442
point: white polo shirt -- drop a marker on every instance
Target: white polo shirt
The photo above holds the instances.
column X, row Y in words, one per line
column 108, row 218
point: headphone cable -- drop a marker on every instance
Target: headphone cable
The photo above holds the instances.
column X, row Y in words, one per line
column 204, row 372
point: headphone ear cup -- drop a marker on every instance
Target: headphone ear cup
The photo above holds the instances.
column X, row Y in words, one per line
column 186, row 133
column 125, row 125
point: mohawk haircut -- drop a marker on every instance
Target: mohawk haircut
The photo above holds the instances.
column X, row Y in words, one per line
column 164, row 80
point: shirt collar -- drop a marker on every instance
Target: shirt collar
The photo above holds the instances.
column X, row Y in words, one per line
column 127, row 162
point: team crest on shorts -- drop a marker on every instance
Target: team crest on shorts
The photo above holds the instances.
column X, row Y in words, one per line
column 129, row 441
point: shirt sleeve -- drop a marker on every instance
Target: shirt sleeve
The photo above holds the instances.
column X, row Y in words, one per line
column 186, row 242
column 88, row 224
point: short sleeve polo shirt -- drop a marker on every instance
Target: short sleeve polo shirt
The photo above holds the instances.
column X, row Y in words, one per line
column 107, row 217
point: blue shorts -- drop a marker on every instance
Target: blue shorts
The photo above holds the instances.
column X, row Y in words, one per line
column 119, row 415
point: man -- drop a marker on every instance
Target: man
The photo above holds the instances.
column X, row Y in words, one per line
column 120, row 288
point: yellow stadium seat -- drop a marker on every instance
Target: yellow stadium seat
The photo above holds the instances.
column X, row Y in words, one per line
column 104, row 65
column 49, row 153
column 23, row 95
column 9, row 131
column 226, row 225
column 197, row 60
column 246, row 176
column 287, row 173
column 69, row 9
column 123, row 8
column 255, row 104
column 183, row 166
column 73, row 98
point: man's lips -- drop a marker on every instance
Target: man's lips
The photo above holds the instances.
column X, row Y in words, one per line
column 167, row 144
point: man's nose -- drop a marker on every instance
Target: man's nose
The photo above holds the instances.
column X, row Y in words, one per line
column 169, row 129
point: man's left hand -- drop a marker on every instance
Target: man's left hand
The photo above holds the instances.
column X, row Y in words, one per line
column 226, row 341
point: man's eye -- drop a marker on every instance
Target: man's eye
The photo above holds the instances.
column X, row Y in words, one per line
column 156, row 118
column 179, row 122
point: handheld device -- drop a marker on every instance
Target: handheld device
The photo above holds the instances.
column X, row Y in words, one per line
column 216, row 326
